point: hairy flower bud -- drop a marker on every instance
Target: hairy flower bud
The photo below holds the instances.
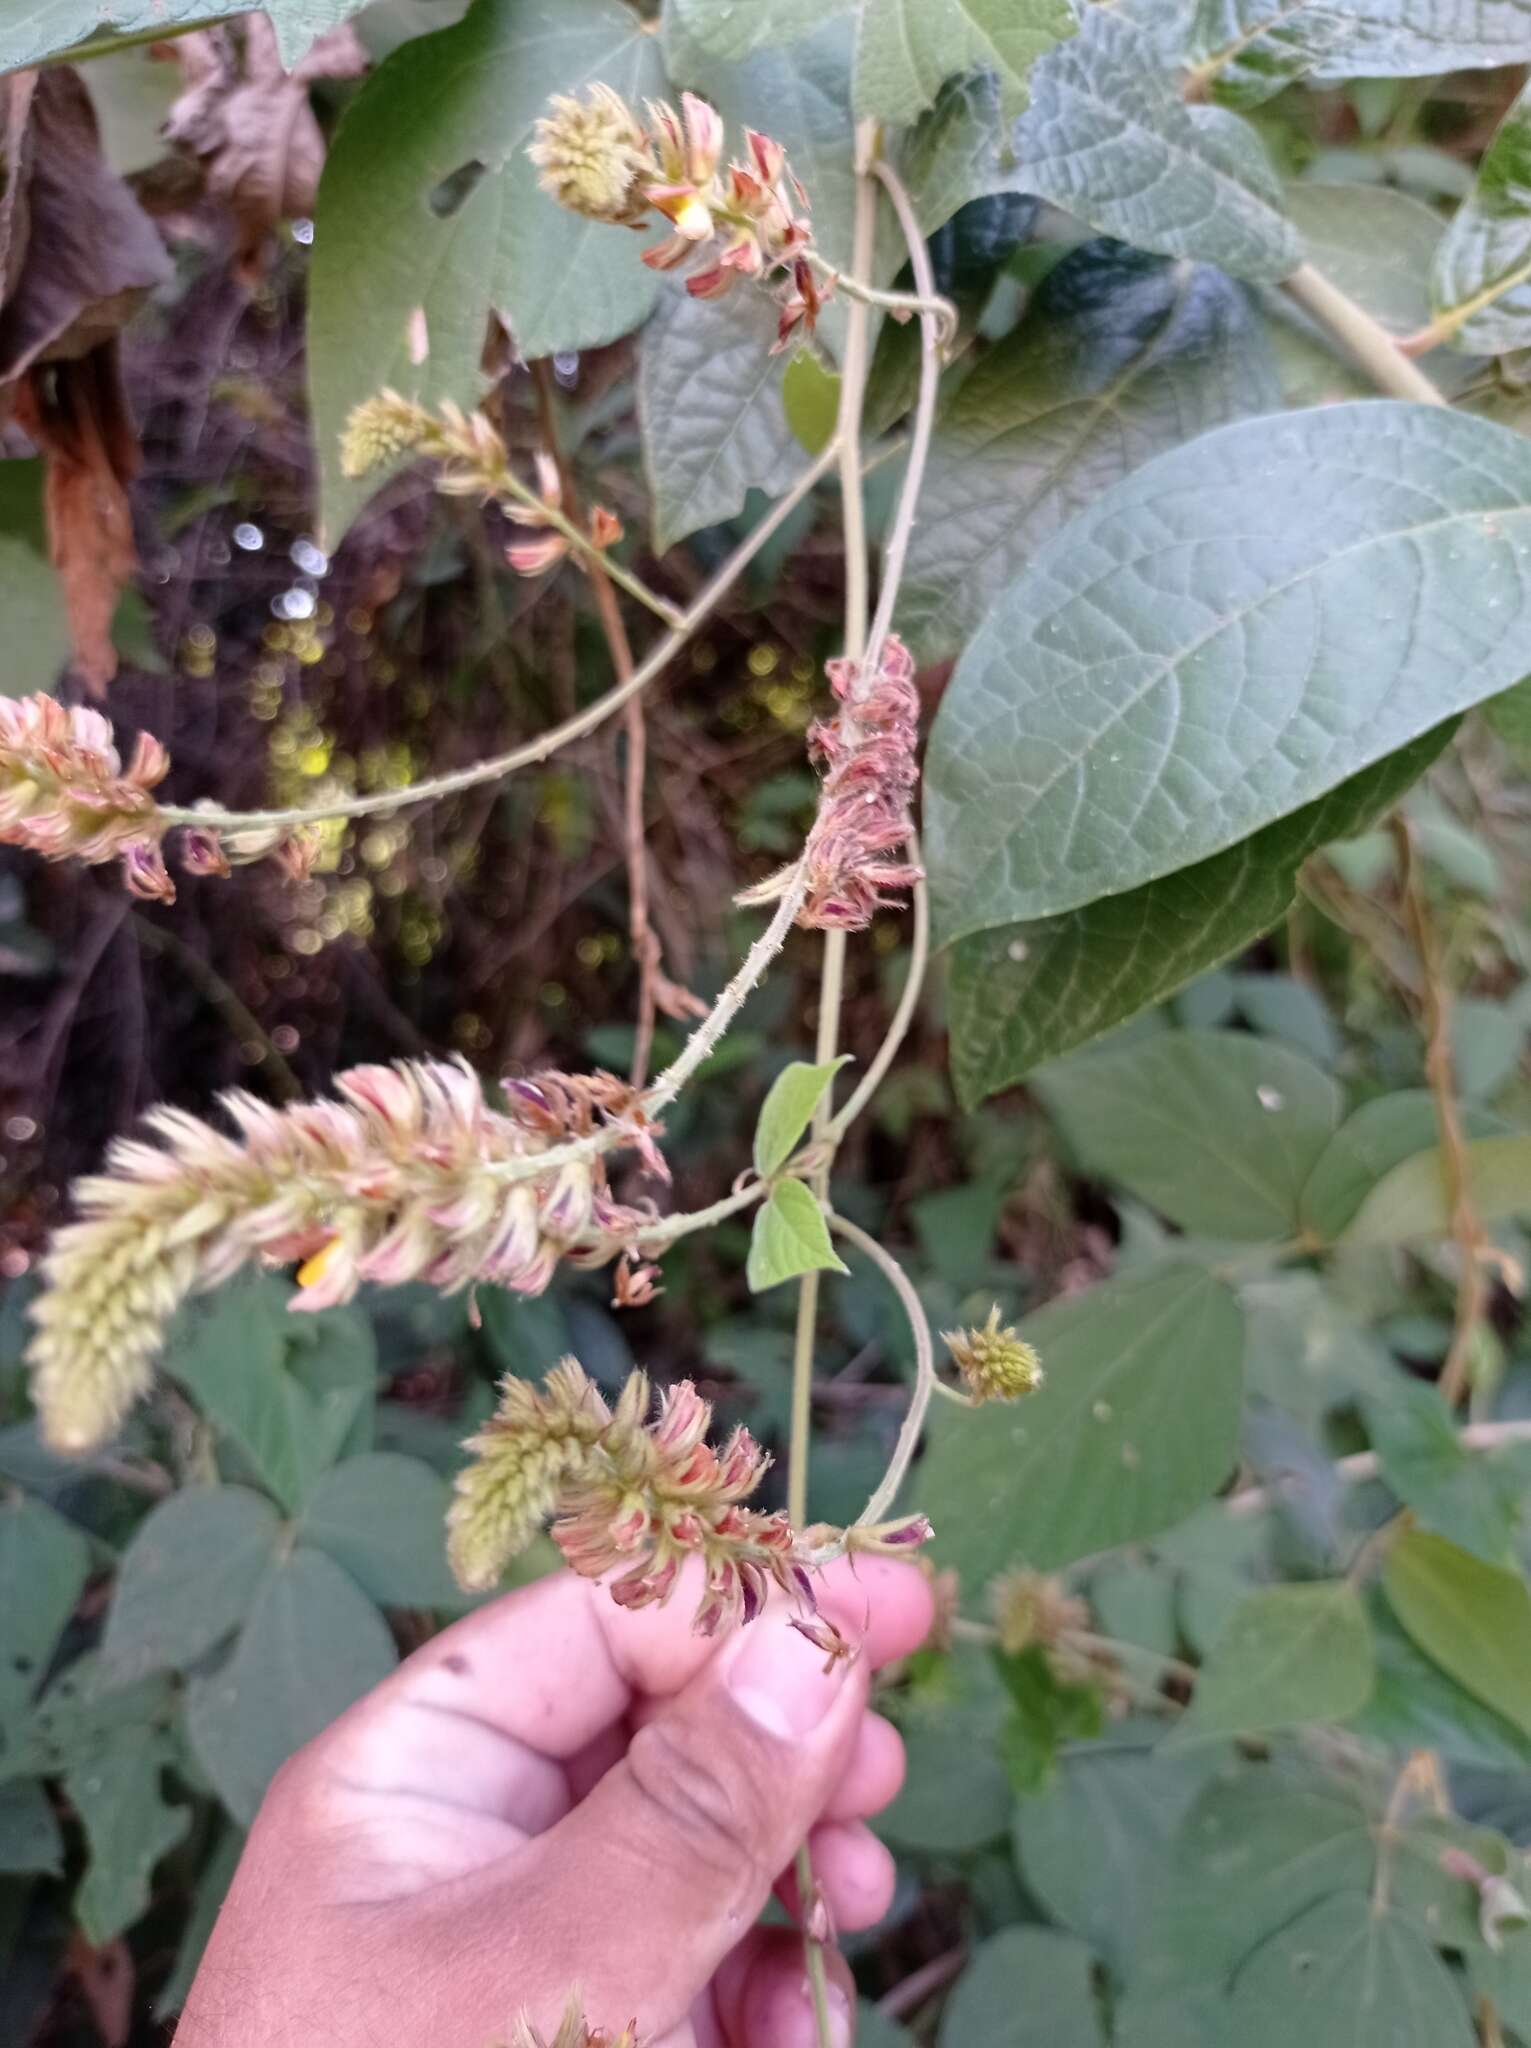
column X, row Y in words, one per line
column 409, row 1175
column 65, row 793
column 591, row 155
column 996, row 1363
column 379, row 429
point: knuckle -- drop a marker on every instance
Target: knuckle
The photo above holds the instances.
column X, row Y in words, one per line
column 713, row 1811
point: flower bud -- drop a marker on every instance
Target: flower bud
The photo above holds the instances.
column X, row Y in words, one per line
column 995, row 1362
column 379, row 429
column 889, row 1539
column 591, row 155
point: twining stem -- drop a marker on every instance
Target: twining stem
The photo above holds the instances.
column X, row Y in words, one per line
column 927, row 302
column 1440, row 1077
column 880, row 1505
column 665, row 1232
column 1378, row 354
column 498, row 766
column 641, row 935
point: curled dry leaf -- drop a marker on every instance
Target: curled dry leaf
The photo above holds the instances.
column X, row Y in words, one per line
column 78, row 256
column 250, row 124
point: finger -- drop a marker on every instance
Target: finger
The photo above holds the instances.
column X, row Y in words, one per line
column 855, row 1873
column 873, row 1776
column 764, row 1999
column 681, row 1840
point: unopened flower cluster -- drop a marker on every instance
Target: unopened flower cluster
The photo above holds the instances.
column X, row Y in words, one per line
column 408, row 1175
column 625, row 1494
column 867, row 753
column 476, row 463
column 65, row 794
column 996, row 1362
column 574, row 2031
column 596, row 157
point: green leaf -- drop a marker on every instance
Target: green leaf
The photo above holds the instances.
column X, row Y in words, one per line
column 312, row 1645
column 36, row 623
column 34, row 29
column 958, row 152
column 1347, row 1976
column 956, row 1796
column 1089, row 1846
column 187, row 1579
column 1250, row 49
column 1305, row 1354
column 1108, row 138
column 1025, row 1987
column 1461, row 1494
column 790, row 1237
column 128, row 1828
column 527, row 1334
column 1417, row 38
column 30, row 1837
column 1482, row 275
column 794, row 1096
column 44, row 1563
column 1218, row 1130
column 1416, row 1706
column 1290, row 1655
column 1135, row 1424
column 206, row 1902
column 1375, row 243
column 1223, row 636
column 1121, row 355
column 907, row 49
column 1471, row 1617
column 1506, row 1980
column 1024, row 993
column 1046, row 1713
column 810, row 396
column 1510, row 714
column 383, row 1517
column 712, row 410
column 288, row 1390
column 1410, row 1201
column 733, row 33
column 1371, row 1141
column 398, row 243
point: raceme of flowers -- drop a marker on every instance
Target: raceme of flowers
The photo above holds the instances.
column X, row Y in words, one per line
column 65, row 794
column 476, row 463
column 596, row 157
column 867, row 752
column 407, row 1175
column 625, row 1495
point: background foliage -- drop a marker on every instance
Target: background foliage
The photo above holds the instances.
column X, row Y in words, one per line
column 1176, row 1094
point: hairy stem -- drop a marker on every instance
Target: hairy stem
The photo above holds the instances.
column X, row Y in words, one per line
column 878, row 1507
column 927, row 302
column 683, row 1224
column 1378, row 354
column 1440, row 1076
column 498, row 766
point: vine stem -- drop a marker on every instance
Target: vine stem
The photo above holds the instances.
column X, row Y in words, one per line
column 498, row 766
column 878, row 1507
column 596, row 560
column 1355, row 329
column 1440, row 1076
column 927, row 302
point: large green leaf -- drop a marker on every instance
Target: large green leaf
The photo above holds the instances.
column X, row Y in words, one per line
column 1135, row 1424
column 905, row 49
column 959, row 151
column 1223, row 636
column 1246, row 50
column 1289, row 1655
column 1410, row 1201
column 33, row 29
column 1375, row 243
column 1121, row 355
column 395, row 242
column 1471, row 1617
column 1417, row 38
column 956, row 1796
column 383, row 1517
column 1346, row 1975
column 1025, row 1987
column 287, row 1390
column 1088, row 1847
column 44, row 1562
column 188, row 1578
column 128, row 1828
column 1108, row 138
column 312, row 1645
column 1219, row 1130
column 1483, row 269
column 1024, row 993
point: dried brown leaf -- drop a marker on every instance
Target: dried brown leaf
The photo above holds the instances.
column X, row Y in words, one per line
column 77, row 414
column 252, row 127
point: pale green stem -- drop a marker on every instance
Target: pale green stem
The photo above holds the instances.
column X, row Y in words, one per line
column 546, row 744
column 506, row 483
column 1354, row 328
column 880, row 1505
column 926, row 302
column 656, row 1236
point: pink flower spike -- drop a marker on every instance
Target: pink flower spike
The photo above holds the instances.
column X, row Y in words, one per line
column 704, row 138
column 769, row 158
column 535, row 557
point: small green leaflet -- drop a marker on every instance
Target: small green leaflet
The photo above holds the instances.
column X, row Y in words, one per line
column 1348, row 1976
column 1461, row 1494
column 187, row 1579
column 44, row 1563
column 1482, row 281
column 790, row 1237
column 1289, row 1655
column 810, row 396
column 1410, row 1201
column 1372, row 1140
column 1472, row 1618
column 784, row 1115
column 1222, row 637
column 382, row 1517
column 128, row 1828
column 1025, row 1987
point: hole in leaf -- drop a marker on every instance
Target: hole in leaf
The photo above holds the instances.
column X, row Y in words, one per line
column 454, row 191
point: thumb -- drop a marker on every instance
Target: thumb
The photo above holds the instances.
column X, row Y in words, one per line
column 670, row 1859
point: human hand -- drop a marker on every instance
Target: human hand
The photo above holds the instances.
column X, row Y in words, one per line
column 557, row 1794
